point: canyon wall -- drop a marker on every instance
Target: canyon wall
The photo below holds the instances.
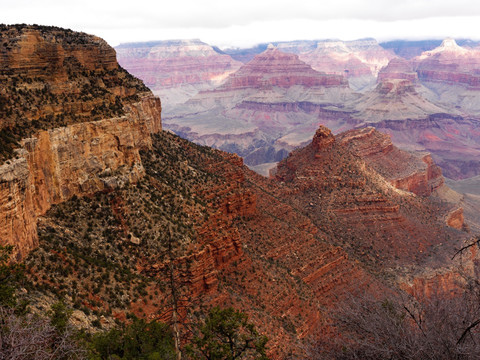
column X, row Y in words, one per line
column 72, row 122
column 79, row 159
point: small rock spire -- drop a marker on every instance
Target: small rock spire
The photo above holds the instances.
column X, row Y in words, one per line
column 323, row 138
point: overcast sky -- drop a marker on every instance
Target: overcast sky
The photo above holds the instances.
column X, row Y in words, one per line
column 243, row 23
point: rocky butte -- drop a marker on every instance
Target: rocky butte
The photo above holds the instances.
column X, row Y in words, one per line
column 118, row 217
column 176, row 70
column 358, row 60
column 451, row 72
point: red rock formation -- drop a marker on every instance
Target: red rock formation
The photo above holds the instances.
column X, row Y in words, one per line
column 412, row 172
column 176, row 70
column 446, row 283
column 58, row 162
column 332, row 185
column 269, row 69
column 398, row 68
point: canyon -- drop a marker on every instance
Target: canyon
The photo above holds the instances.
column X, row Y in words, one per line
column 426, row 100
column 258, row 107
column 120, row 218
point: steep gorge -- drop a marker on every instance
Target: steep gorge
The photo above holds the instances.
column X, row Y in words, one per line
column 128, row 215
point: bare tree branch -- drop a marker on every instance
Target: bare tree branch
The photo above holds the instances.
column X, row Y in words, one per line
column 476, row 242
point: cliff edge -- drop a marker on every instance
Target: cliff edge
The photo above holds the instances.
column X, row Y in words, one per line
column 72, row 123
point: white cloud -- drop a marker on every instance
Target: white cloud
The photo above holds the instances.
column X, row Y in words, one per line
column 246, row 22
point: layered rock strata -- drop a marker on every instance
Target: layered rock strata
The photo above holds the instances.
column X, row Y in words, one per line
column 176, row 70
column 413, row 172
column 77, row 160
column 451, row 74
column 77, row 119
column 349, row 181
column 359, row 60
column 265, row 109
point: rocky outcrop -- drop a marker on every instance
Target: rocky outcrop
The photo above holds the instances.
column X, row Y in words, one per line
column 349, row 184
column 425, row 181
column 455, row 219
column 446, row 282
column 79, row 159
column 77, row 119
column 323, row 139
column 414, row 172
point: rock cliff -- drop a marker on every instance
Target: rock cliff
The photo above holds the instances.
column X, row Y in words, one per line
column 77, row 120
